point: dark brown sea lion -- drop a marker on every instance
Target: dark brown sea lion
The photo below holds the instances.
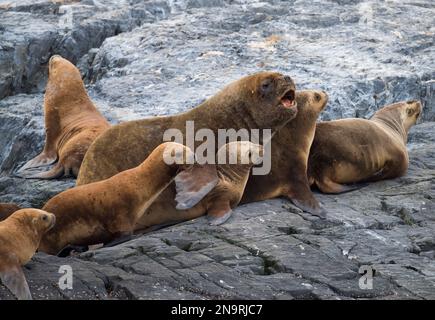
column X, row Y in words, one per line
column 20, row 235
column 259, row 101
column 290, row 149
column 351, row 151
column 72, row 122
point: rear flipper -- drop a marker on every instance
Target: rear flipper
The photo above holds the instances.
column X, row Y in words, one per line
column 13, row 278
column 302, row 197
column 193, row 184
column 328, row 186
column 42, row 160
column 57, row 171
column 219, row 212
column 71, row 250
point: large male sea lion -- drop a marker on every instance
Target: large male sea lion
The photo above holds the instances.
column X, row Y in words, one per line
column 290, row 150
column 169, row 207
column 6, row 209
column 72, row 122
column 259, row 101
column 103, row 211
column 20, row 235
column 350, row 151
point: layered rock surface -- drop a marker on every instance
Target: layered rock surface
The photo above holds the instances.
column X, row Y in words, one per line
column 146, row 58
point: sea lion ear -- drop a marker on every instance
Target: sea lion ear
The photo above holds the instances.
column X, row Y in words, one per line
column 193, row 184
column 13, row 278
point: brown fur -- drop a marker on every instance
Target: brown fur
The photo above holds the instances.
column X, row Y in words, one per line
column 253, row 102
column 103, row 211
column 6, row 209
column 72, row 123
column 358, row 150
column 290, row 150
column 20, row 235
column 218, row 203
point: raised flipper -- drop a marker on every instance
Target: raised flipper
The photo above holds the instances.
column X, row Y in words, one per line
column 193, row 184
column 13, row 278
column 57, row 171
column 328, row 186
column 219, row 212
column 42, row 160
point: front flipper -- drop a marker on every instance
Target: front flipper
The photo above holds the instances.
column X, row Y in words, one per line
column 13, row 278
column 193, row 184
column 42, row 160
column 302, row 197
column 57, row 171
column 315, row 208
column 219, row 212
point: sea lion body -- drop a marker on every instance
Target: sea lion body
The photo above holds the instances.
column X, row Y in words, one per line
column 259, row 101
column 105, row 210
column 20, row 235
column 290, row 149
column 6, row 209
column 349, row 151
column 217, row 204
column 72, row 123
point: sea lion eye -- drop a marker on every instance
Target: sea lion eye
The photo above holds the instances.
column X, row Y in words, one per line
column 317, row 97
column 266, row 85
column 44, row 218
column 409, row 112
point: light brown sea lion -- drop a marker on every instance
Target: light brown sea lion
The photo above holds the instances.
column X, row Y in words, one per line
column 6, row 209
column 20, row 235
column 106, row 210
column 218, row 204
column 290, row 150
column 72, row 122
column 259, row 101
column 351, row 151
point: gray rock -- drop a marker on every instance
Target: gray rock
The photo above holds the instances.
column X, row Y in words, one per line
column 144, row 58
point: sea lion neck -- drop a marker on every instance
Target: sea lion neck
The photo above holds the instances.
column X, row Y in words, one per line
column 392, row 121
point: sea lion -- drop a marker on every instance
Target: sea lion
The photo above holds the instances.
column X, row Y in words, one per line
column 259, row 101
column 106, row 210
column 349, row 151
column 290, row 149
column 72, row 122
column 170, row 208
column 6, row 209
column 20, row 235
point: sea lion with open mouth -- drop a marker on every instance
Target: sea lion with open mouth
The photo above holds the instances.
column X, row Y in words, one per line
column 265, row 100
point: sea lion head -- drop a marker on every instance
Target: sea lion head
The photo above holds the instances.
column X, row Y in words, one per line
column 241, row 153
column 38, row 220
column 411, row 112
column 401, row 114
column 64, row 80
column 269, row 98
column 311, row 102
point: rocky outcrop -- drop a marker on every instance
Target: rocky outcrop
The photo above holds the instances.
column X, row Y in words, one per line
column 143, row 58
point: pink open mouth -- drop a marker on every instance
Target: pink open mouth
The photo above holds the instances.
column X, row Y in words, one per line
column 288, row 100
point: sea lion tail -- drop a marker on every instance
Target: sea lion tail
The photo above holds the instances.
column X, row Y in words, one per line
column 57, row 171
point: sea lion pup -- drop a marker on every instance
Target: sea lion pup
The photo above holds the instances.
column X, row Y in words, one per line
column 106, row 210
column 259, row 101
column 350, row 151
column 234, row 163
column 20, row 235
column 6, row 209
column 290, row 150
column 72, row 122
